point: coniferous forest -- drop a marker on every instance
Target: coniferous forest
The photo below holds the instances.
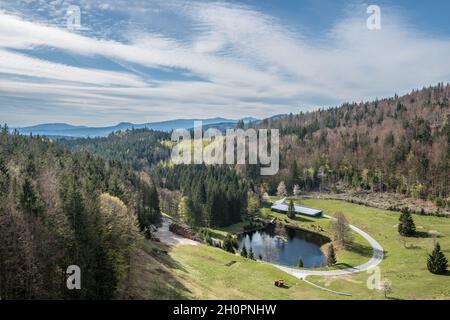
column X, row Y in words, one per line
column 138, row 148
column 213, row 195
column 59, row 208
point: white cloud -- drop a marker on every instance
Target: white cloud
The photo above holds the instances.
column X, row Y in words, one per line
column 249, row 63
column 19, row 64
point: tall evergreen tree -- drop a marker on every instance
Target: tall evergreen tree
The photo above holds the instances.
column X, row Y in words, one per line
column 228, row 244
column 251, row 254
column 331, row 256
column 244, row 251
column 437, row 262
column 28, row 199
column 300, row 262
column 291, row 210
column 406, row 226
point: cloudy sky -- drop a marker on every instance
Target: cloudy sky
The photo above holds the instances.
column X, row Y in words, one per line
column 143, row 60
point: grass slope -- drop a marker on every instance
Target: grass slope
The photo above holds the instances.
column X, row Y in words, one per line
column 205, row 272
column 405, row 262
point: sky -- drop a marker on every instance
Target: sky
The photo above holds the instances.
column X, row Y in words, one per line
column 145, row 61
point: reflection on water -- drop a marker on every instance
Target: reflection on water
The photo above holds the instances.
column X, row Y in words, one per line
column 286, row 251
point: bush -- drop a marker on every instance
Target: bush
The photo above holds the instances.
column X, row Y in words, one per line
column 440, row 202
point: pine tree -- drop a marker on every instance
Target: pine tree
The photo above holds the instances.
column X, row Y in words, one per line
column 244, row 252
column 28, row 199
column 251, row 254
column 291, row 210
column 300, row 262
column 228, row 244
column 331, row 256
column 406, row 227
column 437, row 262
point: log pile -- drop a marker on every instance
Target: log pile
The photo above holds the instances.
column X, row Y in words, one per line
column 184, row 230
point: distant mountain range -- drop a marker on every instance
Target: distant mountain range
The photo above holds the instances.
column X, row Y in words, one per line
column 67, row 130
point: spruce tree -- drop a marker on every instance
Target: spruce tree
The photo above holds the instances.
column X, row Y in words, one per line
column 228, row 244
column 291, row 210
column 437, row 262
column 406, row 226
column 251, row 254
column 28, row 199
column 244, row 251
column 300, row 262
column 331, row 256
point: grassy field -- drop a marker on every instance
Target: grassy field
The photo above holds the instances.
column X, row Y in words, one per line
column 405, row 261
column 204, row 272
column 355, row 254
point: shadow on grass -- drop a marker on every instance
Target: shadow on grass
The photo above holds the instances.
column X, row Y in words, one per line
column 365, row 251
column 342, row 265
column 160, row 252
column 284, row 286
column 412, row 247
column 425, row 234
column 302, row 219
column 152, row 276
column 393, row 298
column 446, row 274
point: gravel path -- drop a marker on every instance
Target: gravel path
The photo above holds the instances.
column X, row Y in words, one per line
column 170, row 238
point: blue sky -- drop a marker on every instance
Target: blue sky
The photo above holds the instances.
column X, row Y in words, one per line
column 143, row 60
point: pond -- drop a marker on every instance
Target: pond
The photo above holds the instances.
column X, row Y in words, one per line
column 286, row 250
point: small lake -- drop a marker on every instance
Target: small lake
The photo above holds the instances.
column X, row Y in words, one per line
column 286, row 250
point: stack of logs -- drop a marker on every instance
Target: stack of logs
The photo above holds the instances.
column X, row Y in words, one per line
column 184, row 230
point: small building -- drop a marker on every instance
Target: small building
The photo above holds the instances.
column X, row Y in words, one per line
column 282, row 206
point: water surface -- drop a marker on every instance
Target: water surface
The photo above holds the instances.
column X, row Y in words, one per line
column 286, row 250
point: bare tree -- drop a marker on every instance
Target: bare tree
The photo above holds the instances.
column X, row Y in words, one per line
column 266, row 198
column 386, row 287
column 281, row 190
column 341, row 230
column 296, row 191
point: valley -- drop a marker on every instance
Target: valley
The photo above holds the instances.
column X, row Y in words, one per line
column 378, row 169
column 206, row 273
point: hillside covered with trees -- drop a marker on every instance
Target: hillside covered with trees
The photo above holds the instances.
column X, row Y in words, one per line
column 398, row 144
column 138, row 148
column 212, row 195
column 58, row 209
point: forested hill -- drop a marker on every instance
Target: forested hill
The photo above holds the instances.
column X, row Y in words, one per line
column 59, row 209
column 212, row 195
column 138, row 148
column 400, row 144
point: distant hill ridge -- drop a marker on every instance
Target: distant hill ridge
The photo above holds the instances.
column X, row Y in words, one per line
column 67, row 130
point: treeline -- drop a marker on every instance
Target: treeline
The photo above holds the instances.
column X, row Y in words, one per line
column 59, row 209
column 137, row 148
column 212, row 195
column 400, row 144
